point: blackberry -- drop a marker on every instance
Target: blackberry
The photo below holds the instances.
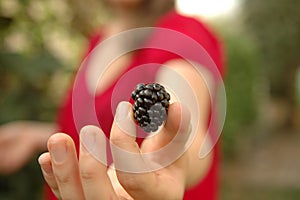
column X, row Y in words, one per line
column 150, row 108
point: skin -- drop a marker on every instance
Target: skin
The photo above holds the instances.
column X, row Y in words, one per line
column 86, row 178
column 20, row 141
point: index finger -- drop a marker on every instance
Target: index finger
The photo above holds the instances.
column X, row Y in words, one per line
column 126, row 154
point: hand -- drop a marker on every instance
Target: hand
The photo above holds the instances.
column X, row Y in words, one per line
column 88, row 179
column 19, row 142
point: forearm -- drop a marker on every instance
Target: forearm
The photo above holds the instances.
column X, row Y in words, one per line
column 20, row 141
column 40, row 132
column 191, row 84
column 196, row 168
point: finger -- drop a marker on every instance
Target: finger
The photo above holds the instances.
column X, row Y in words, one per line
column 46, row 166
column 92, row 165
column 122, row 194
column 167, row 150
column 65, row 166
column 178, row 120
column 175, row 130
column 169, row 145
column 126, row 154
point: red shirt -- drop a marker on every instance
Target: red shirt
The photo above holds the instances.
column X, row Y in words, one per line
column 207, row 189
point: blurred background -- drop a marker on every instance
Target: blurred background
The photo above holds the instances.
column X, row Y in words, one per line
column 41, row 44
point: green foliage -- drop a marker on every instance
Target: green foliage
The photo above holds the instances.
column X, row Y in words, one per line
column 266, row 192
column 40, row 40
column 40, row 46
column 24, row 185
column 25, row 86
column 243, row 76
column 33, row 52
column 25, row 94
column 276, row 26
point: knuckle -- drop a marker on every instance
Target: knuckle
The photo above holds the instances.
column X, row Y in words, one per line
column 124, row 144
column 64, row 179
column 87, row 175
column 87, row 171
column 116, row 140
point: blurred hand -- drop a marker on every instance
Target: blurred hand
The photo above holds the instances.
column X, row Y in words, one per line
column 89, row 178
column 20, row 141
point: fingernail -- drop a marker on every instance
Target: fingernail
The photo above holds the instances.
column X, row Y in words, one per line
column 122, row 111
column 58, row 151
column 123, row 119
column 93, row 142
column 88, row 140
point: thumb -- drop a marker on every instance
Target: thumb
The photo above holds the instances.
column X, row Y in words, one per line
column 132, row 171
column 178, row 124
column 172, row 141
column 175, row 132
column 125, row 151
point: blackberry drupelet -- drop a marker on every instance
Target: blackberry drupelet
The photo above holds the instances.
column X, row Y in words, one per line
column 150, row 108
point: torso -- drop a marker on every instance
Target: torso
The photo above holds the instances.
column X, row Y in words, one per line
column 208, row 188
